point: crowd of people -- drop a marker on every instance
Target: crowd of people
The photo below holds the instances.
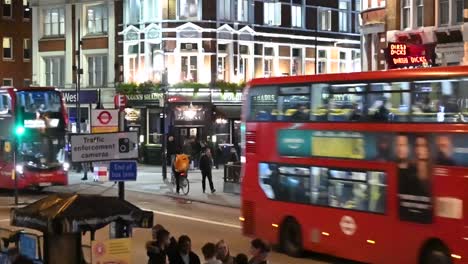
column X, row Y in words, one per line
column 165, row 249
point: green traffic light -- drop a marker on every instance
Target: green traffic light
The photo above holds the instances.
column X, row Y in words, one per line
column 19, row 130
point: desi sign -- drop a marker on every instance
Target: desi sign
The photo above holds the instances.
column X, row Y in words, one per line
column 400, row 55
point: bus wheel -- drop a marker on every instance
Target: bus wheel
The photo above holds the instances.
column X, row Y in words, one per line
column 291, row 238
column 436, row 254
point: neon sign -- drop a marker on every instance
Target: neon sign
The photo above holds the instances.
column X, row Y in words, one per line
column 400, row 55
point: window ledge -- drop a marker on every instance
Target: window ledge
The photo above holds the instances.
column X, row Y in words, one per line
column 26, row 60
column 96, row 35
column 48, row 38
column 8, row 60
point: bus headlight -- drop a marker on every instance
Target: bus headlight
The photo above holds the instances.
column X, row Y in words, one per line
column 19, row 168
column 66, row 166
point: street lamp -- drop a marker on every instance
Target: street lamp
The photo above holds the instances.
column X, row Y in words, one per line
column 164, row 84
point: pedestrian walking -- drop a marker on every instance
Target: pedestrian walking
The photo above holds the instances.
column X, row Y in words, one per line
column 222, row 253
column 241, row 259
column 206, row 166
column 156, row 249
column 184, row 253
column 259, row 251
column 209, row 252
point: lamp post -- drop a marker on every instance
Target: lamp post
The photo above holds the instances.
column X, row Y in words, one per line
column 164, row 84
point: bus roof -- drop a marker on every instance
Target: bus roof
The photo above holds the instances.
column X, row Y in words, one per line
column 31, row 88
column 381, row 76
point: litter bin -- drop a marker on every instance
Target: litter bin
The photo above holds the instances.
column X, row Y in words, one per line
column 232, row 178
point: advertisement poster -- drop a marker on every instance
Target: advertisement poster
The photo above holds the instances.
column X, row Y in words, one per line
column 415, row 156
column 115, row 251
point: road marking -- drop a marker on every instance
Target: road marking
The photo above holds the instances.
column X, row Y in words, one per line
column 194, row 219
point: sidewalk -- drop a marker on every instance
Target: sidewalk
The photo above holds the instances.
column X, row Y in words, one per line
column 149, row 180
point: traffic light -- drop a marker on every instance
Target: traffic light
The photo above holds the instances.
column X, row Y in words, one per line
column 19, row 130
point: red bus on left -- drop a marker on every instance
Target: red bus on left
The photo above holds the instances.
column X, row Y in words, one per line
column 33, row 122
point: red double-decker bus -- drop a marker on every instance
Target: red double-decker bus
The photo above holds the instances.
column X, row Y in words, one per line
column 369, row 166
column 33, row 123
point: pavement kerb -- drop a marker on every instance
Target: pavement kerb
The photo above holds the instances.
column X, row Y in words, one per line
column 175, row 196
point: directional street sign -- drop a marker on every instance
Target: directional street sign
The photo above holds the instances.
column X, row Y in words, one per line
column 102, row 147
column 123, row 171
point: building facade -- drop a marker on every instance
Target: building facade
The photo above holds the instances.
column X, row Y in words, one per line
column 59, row 27
column 433, row 30
column 15, row 34
column 233, row 41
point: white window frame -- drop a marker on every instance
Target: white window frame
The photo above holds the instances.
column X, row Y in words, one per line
column 272, row 13
column 7, row 79
column 343, row 62
column 60, row 24
column 129, row 10
column 103, row 21
column 243, row 10
column 60, row 72
column 224, row 10
column 296, row 16
column 406, row 10
column 322, row 60
column 268, row 61
column 10, row 3
column 221, row 68
column 27, row 45
column 324, row 19
column 10, row 42
column 94, row 73
column 344, row 17
column 419, row 8
column 456, row 10
column 439, row 17
column 182, row 8
column 152, row 10
column 189, row 68
column 356, row 60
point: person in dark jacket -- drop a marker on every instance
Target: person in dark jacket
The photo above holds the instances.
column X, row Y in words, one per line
column 157, row 249
column 184, row 253
column 206, row 165
column 259, row 251
column 241, row 259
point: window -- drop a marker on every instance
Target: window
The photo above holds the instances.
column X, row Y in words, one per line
column 224, row 9
column 324, row 19
column 294, row 103
column 26, row 10
column 343, row 61
column 169, row 9
column 5, row 103
column 444, row 11
column 346, row 102
column 188, row 9
column 189, row 68
column 344, row 15
column 263, row 103
column 27, row 49
column 322, row 61
column 54, row 22
column 419, row 13
column 97, row 71
column 7, row 8
column 405, row 13
column 97, row 19
column 243, row 10
column 296, row 16
column 27, row 82
column 272, row 13
column 54, row 71
column 268, row 67
column 222, row 68
column 359, row 190
column 7, row 48
column 459, row 10
column 7, row 82
column 151, row 10
column 132, row 11
column 389, row 102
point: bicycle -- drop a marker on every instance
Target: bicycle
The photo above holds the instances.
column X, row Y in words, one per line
column 184, row 183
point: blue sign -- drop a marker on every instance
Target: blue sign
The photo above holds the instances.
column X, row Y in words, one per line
column 123, row 171
column 27, row 246
column 86, row 96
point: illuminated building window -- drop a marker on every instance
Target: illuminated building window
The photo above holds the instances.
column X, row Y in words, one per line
column 343, row 61
column 132, row 11
column 444, row 12
column 272, row 13
column 169, row 9
column 243, row 10
column 189, row 68
column 97, row 19
column 27, row 49
column 151, row 10
column 322, row 61
column 224, row 10
column 54, row 71
column 7, row 48
column 356, row 58
column 97, row 71
column 268, row 67
column 296, row 15
column 324, row 19
column 7, row 82
column 222, row 68
column 188, row 9
column 406, row 14
column 344, row 15
column 54, row 22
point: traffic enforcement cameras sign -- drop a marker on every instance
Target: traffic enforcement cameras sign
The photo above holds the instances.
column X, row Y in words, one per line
column 104, row 147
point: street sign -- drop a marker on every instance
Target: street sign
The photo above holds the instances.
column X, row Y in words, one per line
column 105, row 146
column 104, row 121
column 123, row 171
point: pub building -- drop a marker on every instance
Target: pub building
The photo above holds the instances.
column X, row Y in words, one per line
column 208, row 115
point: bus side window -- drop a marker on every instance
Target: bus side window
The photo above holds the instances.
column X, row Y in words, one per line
column 319, row 102
column 389, row 102
column 346, row 102
column 263, row 103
